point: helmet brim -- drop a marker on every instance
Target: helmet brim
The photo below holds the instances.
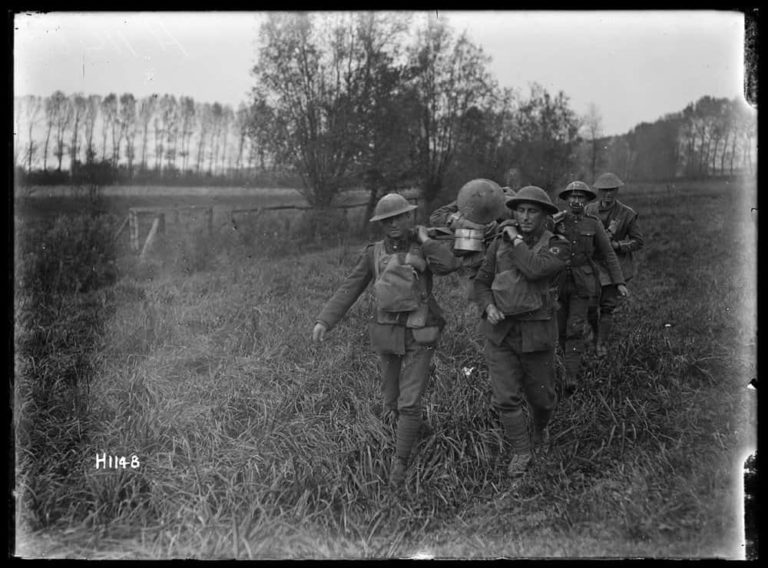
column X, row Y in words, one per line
column 395, row 213
column 513, row 202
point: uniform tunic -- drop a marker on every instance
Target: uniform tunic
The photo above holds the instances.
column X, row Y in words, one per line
column 520, row 349
column 404, row 374
column 626, row 232
column 589, row 242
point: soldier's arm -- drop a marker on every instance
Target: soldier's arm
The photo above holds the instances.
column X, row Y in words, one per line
column 604, row 247
column 484, row 278
column 634, row 237
column 354, row 285
column 440, row 257
column 547, row 262
column 439, row 217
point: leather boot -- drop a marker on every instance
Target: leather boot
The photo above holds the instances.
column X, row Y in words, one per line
column 516, row 433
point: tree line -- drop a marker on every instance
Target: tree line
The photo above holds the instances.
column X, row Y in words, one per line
column 375, row 100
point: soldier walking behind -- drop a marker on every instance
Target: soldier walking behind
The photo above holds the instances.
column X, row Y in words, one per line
column 512, row 288
column 620, row 223
column 407, row 322
column 588, row 241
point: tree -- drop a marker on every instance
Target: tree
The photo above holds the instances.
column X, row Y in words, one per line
column 32, row 108
column 93, row 103
column 315, row 80
column 187, row 110
column 146, row 114
column 593, row 129
column 546, row 136
column 79, row 105
column 128, row 128
column 450, row 77
column 109, row 124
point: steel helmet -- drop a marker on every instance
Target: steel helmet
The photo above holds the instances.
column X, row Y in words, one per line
column 390, row 205
column 577, row 186
column 532, row 194
column 481, row 201
column 608, row 181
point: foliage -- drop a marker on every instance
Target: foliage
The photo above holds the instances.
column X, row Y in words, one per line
column 546, row 135
column 255, row 443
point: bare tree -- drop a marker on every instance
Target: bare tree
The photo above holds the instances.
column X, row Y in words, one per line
column 108, row 118
column 32, row 108
column 128, row 127
column 593, row 130
column 93, row 104
column 450, row 76
column 204, row 122
column 146, row 114
column 187, row 110
column 79, row 105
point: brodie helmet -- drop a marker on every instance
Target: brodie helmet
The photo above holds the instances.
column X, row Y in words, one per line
column 481, row 201
column 532, row 194
column 577, row 186
column 608, row 181
column 390, row 205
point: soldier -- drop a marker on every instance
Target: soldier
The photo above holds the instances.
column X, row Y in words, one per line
column 407, row 322
column 624, row 234
column 512, row 288
column 588, row 241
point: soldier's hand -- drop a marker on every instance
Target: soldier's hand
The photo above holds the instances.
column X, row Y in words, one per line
column 421, row 234
column 318, row 333
column 494, row 314
column 510, row 232
column 615, row 245
column 623, row 291
column 454, row 220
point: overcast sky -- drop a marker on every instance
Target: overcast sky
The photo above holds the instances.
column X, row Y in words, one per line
column 635, row 66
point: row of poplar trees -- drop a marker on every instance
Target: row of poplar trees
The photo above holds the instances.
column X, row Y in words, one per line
column 382, row 101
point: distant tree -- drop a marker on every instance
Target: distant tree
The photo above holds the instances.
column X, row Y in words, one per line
column 169, row 120
column 204, row 117
column 79, row 105
column 592, row 124
column 109, row 124
column 450, row 77
column 128, row 120
column 547, row 133
column 33, row 106
column 93, row 104
column 315, row 81
column 146, row 114
column 187, row 110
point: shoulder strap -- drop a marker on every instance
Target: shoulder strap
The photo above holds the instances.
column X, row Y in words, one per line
column 377, row 248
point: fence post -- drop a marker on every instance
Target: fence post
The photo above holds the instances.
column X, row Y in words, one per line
column 151, row 236
column 209, row 220
column 134, row 229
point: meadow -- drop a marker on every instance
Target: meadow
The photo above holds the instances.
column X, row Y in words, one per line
column 254, row 443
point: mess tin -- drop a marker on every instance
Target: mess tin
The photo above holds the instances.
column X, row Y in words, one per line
column 468, row 240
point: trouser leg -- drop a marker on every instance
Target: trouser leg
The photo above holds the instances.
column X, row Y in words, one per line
column 413, row 380
column 608, row 304
column 390, row 380
column 574, row 336
column 539, row 369
column 506, row 373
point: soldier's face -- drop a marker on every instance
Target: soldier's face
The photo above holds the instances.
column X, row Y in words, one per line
column 529, row 217
column 397, row 227
column 608, row 196
column 576, row 201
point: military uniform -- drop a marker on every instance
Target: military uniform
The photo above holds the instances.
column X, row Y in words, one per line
column 405, row 341
column 622, row 220
column 589, row 242
column 520, row 349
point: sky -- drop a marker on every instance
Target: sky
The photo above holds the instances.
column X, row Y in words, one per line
column 634, row 66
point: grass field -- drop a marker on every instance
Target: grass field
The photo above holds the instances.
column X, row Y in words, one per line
column 254, row 443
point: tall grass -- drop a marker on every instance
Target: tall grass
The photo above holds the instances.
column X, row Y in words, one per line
column 256, row 443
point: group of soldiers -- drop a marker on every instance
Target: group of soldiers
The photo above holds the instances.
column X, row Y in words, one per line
column 541, row 277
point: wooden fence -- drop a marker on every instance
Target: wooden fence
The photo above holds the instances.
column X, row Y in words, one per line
column 159, row 220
